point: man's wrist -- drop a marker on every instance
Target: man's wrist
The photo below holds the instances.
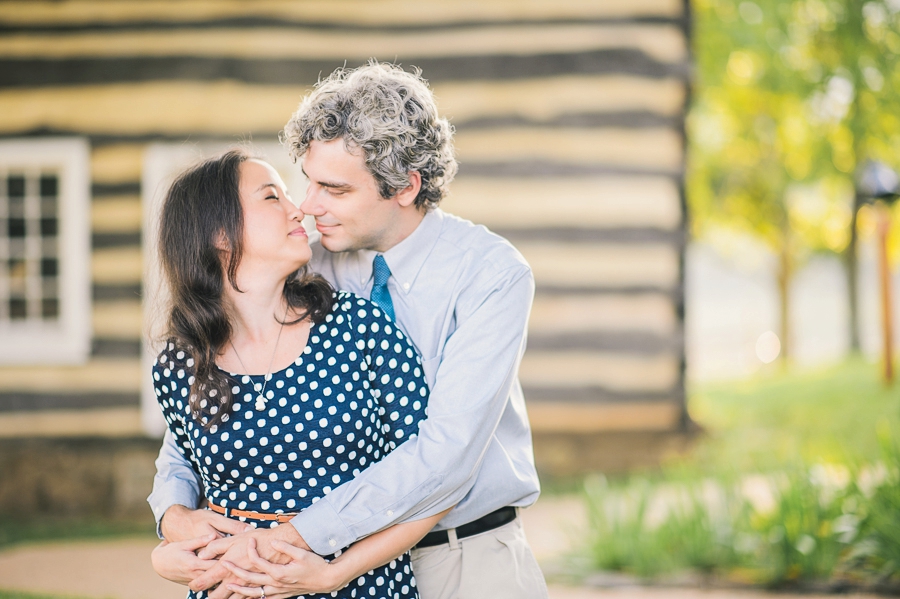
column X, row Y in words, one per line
column 173, row 511
column 287, row 533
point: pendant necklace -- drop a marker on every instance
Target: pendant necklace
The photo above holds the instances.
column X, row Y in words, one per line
column 261, row 398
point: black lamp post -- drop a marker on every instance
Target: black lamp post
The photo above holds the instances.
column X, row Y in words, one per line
column 879, row 185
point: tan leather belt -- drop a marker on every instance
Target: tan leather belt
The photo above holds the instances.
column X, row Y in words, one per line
column 230, row 513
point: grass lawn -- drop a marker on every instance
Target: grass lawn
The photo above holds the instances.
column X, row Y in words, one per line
column 26, row 530
column 829, row 414
column 21, row 595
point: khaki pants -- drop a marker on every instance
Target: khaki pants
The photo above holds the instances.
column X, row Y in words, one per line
column 497, row 564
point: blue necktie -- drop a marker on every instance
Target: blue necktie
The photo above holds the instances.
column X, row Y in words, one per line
column 380, row 294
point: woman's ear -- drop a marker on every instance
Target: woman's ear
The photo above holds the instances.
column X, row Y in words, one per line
column 222, row 244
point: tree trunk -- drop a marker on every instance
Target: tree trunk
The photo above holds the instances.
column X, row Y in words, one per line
column 785, row 272
column 851, row 266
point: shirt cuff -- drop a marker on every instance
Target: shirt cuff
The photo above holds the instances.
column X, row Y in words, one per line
column 177, row 492
column 322, row 528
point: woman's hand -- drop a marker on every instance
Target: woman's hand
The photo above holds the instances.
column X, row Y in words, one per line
column 305, row 573
column 178, row 561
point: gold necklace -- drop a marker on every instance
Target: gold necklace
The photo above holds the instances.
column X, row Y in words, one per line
column 261, row 398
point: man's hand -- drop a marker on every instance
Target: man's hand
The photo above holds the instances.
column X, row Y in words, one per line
column 283, row 532
column 235, row 550
column 178, row 561
column 305, row 573
column 181, row 524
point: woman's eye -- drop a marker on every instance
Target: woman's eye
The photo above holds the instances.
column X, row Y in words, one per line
column 272, row 197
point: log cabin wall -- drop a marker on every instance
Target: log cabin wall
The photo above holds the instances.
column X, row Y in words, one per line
column 570, row 133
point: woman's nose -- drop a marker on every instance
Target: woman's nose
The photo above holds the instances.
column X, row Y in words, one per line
column 294, row 211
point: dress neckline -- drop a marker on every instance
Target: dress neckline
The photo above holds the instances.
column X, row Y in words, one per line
column 298, row 361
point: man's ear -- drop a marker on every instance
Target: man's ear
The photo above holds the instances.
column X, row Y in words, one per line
column 407, row 196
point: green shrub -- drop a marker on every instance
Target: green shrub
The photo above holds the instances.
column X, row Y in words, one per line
column 802, row 539
column 699, row 526
column 797, row 533
column 620, row 538
column 878, row 551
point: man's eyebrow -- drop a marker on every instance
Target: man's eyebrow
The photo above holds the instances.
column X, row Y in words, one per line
column 328, row 184
column 331, row 185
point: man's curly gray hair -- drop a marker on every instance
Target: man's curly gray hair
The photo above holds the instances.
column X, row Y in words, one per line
column 389, row 114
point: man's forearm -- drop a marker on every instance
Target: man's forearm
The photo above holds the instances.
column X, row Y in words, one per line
column 436, row 470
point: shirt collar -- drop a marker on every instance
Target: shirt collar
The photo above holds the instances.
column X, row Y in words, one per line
column 407, row 257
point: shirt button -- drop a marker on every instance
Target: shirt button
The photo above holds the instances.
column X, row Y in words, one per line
column 390, row 513
column 406, row 286
column 332, row 542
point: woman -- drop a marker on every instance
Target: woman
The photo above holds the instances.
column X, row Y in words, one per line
column 276, row 388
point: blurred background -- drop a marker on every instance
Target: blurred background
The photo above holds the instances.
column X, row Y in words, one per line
column 705, row 192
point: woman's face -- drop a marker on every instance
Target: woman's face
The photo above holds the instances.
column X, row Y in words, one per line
column 274, row 237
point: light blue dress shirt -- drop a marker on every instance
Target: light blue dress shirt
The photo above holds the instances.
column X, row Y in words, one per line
column 463, row 295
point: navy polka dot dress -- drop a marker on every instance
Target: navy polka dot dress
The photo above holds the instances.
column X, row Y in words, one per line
column 353, row 395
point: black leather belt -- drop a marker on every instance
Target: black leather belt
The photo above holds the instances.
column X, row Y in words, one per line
column 495, row 519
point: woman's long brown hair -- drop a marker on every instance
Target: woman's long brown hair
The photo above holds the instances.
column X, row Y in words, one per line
column 202, row 209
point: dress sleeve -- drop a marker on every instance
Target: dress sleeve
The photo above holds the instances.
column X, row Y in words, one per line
column 172, row 386
column 395, row 376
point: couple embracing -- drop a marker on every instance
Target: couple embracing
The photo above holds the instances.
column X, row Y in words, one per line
column 366, row 442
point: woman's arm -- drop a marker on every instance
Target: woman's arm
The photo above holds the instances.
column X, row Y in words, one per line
column 308, row 573
column 178, row 561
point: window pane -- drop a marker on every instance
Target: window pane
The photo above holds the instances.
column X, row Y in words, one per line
column 17, row 207
column 50, row 287
column 48, row 186
column 49, row 267
column 18, row 308
column 22, row 268
column 50, row 308
column 49, row 227
column 15, row 186
column 17, row 272
column 15, row 227
column 48, row 207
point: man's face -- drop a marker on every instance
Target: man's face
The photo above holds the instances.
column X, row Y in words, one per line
column 343, row 197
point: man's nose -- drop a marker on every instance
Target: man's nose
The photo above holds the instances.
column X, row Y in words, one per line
column 310, row 204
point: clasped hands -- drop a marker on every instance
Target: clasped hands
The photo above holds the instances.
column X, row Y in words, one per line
column 200, row 555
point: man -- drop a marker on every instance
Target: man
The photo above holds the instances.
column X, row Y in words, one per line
column 379, row 159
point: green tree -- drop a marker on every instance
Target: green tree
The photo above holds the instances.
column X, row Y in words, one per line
column 790, row 97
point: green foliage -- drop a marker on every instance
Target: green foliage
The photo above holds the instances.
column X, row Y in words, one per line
column 801, row 542
column 620, row 537
column 879, row 549
column 650, row 528
column 790, row 92
column 791, row 486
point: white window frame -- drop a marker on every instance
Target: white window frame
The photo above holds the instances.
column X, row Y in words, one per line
column 162, row 163
column 67, row 340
